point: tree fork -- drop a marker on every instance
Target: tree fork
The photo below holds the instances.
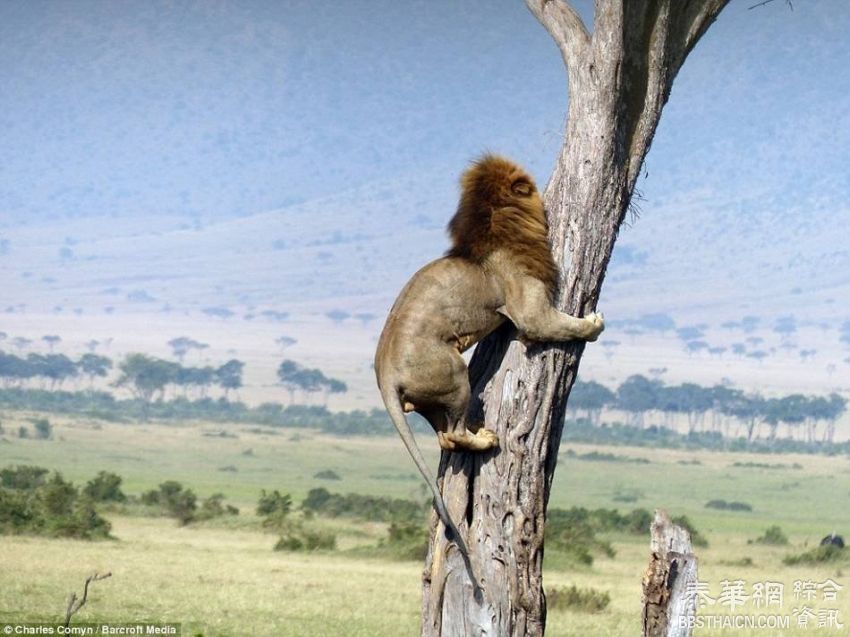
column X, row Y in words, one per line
column 619, row 79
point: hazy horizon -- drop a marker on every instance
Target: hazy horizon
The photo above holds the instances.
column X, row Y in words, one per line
column 164, row 161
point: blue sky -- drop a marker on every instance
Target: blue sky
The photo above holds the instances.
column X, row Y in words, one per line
column 225, row 108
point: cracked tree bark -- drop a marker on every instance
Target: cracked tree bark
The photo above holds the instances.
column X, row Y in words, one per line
column 668, row 606
column 619, row 79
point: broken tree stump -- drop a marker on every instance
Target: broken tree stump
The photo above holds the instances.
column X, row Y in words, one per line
column 669, row 584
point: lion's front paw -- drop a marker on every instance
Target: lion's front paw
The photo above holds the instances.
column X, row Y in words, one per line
column 595, row 325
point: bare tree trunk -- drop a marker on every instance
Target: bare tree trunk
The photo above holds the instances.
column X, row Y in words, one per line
column 669, row 602
column 619, row 79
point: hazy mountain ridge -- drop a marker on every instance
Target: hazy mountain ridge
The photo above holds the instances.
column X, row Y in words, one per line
column 164, row 161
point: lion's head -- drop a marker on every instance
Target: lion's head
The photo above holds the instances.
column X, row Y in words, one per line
column 500, row 208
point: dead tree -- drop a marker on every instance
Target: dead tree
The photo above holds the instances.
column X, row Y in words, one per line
column 669, row 601
column 74, row 603
column 620, row 77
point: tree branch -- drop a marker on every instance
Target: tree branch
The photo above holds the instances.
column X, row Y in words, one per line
column 761, row 4
column 705, row 12
column 75, row 604
column 565, row 26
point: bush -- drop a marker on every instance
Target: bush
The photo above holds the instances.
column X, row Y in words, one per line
column 364, row 507
column 274, row 502
column 573, row 532
column 818, row 555
column 327, row 474
column 723, row 505
column 81, row 522
column 214, row 507
column 297, row 537
column 407, row 541
column 765, row 465
column 105, row 487
column 628, row 496
column 275, row 508
column 586, row 600
column 174, row 500
column 43, row 428
column 598, row 456
column 22, row 477
column 57, row 496
column 772, row 537
column 51, row 507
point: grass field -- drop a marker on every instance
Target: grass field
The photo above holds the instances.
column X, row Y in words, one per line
column 222, row 577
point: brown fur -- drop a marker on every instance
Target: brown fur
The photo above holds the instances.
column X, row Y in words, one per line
column 500, row 209
column 499, row 268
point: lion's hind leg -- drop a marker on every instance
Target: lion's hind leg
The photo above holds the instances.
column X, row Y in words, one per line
column 481, row 440
column 444, row 400
column 470, row 439
column 452, row 434
column 436, row 416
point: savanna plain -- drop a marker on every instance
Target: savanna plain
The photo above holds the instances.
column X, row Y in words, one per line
column 222, row 576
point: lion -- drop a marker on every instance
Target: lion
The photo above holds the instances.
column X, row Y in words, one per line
column 499, row 268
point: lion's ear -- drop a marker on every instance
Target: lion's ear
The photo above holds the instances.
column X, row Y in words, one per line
column 522, row 188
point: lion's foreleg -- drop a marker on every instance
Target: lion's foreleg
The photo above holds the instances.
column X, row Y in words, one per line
column 527, row 306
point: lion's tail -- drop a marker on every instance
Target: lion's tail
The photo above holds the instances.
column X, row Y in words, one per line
column 394, row 408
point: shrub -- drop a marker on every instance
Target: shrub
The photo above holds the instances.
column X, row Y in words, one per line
column 81, row 522
column 744, row 562
column 175, row 501
column 214, row 507
column 766, row 465
column 406, row 541
column 636, row 521
column 628, row 496
column 773, row 537
column 274, row 502
column 22, row 477
column 572, row 532
column 364, row 507
column 588, row 600
column 49, row 507
column 723, row 505
column 43, row 428
column 817, row 555
column 297, row 537
column 105, row 487
column 275, row 508
column 327, row 474
column 57, row 496
column 598, row 456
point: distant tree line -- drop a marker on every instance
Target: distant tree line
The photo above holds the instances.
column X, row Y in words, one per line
column 732, row 412
column 149, row 378
column 294, row 378
column 52, row 369
column 106, row 406
column 718, row 417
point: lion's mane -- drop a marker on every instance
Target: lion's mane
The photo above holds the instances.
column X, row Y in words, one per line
column 498, row 210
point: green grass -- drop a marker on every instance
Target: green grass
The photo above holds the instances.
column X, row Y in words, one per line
column 223, row 578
